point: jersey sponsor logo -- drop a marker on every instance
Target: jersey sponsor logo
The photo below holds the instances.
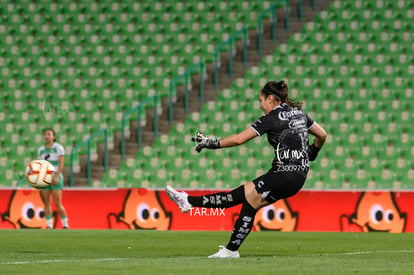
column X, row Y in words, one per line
column 283, row 154
column 285, row 115
column 297, row 123
column 48, row 151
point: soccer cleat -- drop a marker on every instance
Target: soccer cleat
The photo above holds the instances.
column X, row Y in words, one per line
column 224, row 253
column 180, row 198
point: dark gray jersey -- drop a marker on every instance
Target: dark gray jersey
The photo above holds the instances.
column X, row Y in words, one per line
column 287, row 131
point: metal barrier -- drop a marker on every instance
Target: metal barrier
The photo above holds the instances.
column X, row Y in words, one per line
column 260, row 23
column 186, row 75
column 88, row 142
column 138, row 108
column 230, row 42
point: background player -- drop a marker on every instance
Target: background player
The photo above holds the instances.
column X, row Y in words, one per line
column 54, row 153
column 287, row 128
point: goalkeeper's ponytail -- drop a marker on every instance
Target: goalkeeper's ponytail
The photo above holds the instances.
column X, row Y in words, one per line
column 279, row 90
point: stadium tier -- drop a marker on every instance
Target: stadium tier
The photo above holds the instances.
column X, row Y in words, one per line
column 79, row 66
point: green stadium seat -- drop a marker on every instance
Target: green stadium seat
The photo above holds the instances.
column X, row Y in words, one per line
column 111, row 179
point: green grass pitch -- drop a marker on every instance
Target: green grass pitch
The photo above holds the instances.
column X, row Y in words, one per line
column 172, row 252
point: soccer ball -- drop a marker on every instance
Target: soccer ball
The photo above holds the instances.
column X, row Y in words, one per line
column 39, row 173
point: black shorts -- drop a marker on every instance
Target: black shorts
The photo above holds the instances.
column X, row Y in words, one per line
column 278, row 185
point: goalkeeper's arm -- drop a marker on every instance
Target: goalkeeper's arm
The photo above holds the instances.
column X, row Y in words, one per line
column 320, row 136
column 207, row 142
column 238, row 139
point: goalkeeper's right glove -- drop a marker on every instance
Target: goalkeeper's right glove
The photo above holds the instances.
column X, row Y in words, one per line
column 205, row 142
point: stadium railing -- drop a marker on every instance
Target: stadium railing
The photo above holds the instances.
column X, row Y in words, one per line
column 186, row 76
column 88, row 143
column 272, row 9
column 138, row 108
column 301, row 8
column 230, row 42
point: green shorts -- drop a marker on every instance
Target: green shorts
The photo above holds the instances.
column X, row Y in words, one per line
column 58, row 186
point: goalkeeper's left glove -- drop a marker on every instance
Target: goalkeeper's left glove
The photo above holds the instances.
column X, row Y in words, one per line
column 313, row 152
column 205, row 142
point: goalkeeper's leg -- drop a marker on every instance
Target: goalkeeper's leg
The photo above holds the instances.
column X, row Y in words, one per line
column 250, row 205
column 242, row 226
column 215, row 200
column 219, row 200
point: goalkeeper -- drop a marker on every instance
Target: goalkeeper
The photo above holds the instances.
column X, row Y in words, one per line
column 287, row 127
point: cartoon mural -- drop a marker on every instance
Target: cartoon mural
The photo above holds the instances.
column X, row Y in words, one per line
column 134, row 209
column 142, row 210
column 26, row 210
column 375, row 212
column 277, row 216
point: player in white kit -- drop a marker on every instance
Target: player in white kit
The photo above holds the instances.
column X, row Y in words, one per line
column 55, row 154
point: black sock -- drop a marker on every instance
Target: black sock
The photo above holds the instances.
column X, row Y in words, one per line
column 219, row 200
column 242, row 226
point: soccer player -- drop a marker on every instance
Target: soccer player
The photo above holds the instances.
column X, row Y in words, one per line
column 55, row 154
column 287, row 127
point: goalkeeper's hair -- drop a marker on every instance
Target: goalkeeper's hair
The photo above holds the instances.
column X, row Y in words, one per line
column 279, row 90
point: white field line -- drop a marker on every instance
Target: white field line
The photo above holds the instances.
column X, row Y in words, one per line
column 64, row 261
column 361, row 253
column 198, row 257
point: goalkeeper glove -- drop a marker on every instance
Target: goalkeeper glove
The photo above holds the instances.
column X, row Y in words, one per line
column 205, row 142
column 313, row 152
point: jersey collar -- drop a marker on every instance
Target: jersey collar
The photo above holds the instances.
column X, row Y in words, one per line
column 279, row 106
column 50, row 145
